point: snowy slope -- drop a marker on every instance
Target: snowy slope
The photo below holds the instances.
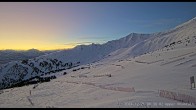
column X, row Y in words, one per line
column 148, row 74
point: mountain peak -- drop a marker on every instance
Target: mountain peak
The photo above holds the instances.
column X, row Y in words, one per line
column 134, row 34
column 191, row 20
column 32, row 49
column 194, row 18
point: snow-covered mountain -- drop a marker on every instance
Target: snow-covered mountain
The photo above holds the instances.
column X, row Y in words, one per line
column 132, row 45
column 184, row 33
column 94, row 52
column 159, row 79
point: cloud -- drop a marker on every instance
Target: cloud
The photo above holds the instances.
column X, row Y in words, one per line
column 155, row 23
column 81, row 43
column 165, row 21
column 88, row 40
column 78, row 43
column 93, row 38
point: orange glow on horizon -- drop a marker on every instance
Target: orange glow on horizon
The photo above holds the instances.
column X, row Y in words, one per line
column 27, row 44
column 41, row 49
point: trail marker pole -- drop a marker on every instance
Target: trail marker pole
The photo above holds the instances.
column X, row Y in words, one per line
column 192, row 81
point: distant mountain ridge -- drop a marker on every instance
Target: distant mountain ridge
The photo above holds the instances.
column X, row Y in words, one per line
column 17, row 55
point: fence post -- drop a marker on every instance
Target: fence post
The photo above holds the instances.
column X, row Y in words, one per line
column 192, row 81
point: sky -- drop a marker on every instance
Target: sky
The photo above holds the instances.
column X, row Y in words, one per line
column 62, row 25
